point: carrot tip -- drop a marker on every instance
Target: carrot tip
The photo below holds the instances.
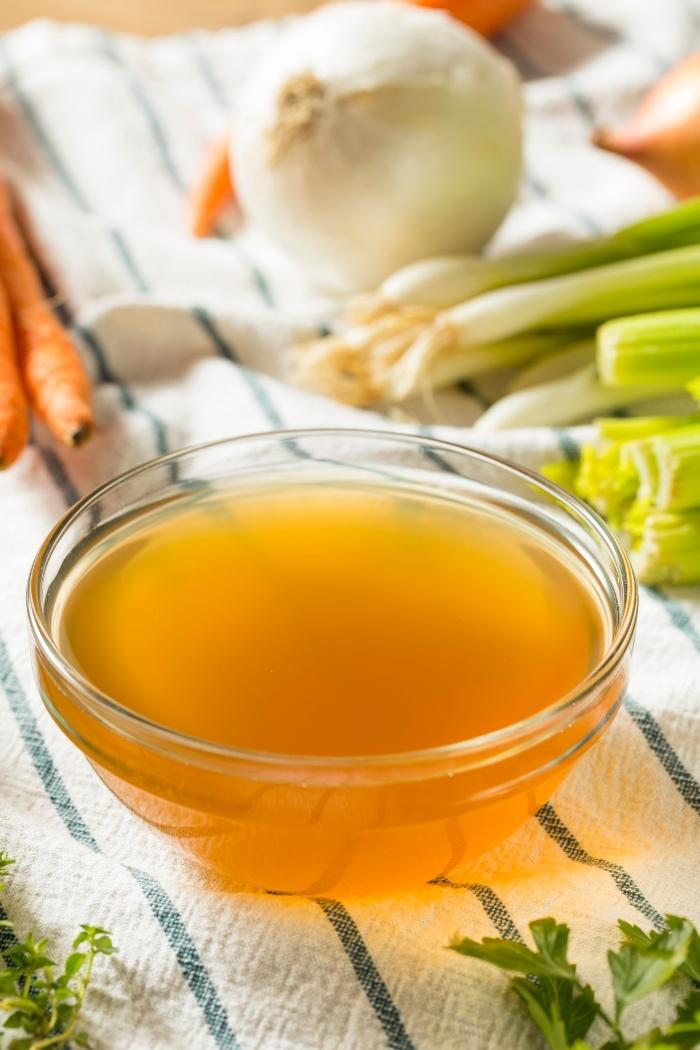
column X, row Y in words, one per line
column 80, row 435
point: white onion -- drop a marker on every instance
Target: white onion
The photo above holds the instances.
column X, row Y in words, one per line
column 375, row 134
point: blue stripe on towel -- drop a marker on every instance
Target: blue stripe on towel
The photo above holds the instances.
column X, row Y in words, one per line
column 496, row 911
column 214, row 85
column 106, row 47
column 69, row 184
column 567, row 444
column 569, row 844
column 684, row 782
column 492, row 904
column 162, row 907
column 59, row 474
column 677, row 615
column 129, row 261
column 367, row 973
column 224, row 349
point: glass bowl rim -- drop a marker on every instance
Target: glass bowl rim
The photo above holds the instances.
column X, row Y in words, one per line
column 103, row 703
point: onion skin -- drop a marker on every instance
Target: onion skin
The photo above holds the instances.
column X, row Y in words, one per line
column 664, row 134
column 485, row 16
column 375, row 134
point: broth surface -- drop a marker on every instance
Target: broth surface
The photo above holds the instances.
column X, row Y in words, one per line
column 330, row 619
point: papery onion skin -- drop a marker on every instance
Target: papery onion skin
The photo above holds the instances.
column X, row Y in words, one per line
column 663, row 136
column 375, row 134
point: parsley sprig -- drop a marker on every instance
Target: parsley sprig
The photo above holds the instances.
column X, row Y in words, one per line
column 43, row 1000
column 564, row 1008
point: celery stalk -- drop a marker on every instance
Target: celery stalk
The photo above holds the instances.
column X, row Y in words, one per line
column 640, row 427
column 677, row 457
column 608, row 480
column 643, row 475
column 650, row 349
column 667, row 550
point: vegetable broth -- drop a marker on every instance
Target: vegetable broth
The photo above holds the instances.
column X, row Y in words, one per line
column 329, row 620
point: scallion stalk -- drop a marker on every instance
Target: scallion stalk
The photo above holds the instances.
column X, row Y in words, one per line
column 553, row 366
column 470, row 362
column 410, row 335
column 447, row 280
column 654, row 282
column 569, row 399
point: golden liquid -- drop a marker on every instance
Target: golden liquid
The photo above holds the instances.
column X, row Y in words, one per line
column 329, row 620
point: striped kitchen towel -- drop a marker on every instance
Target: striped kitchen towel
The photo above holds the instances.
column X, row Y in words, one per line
column 185, row 341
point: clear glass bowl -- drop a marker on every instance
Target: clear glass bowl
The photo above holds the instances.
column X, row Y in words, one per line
column 337, row 825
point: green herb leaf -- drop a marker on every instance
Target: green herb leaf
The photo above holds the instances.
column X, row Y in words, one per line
column 564, row 1009
column 544, row 1011
column 74, row 963
column 637, row 937
column 552, row 940
column 44, row 1005
column 637, row 971
column 21, row 1044
column 516, row 958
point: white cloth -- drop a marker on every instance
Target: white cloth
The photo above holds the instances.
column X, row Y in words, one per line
column 101, row 134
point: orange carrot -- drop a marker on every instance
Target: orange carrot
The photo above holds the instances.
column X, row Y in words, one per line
column 54, row 377
column 486, row 16
column 14, row 411
column 212, row 191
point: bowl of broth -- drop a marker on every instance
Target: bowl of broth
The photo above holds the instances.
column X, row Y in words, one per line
column 337, row 662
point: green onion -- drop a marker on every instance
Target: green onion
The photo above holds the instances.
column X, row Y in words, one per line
column 553, row 366
column 569, row 399
column 409, row 340
column 654, row 282
column 447, row 280
column 650, row 349
column 470, row 362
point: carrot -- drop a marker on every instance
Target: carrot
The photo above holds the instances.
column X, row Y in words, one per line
column 486, row 16
column 14, row 411
column 212, row 190
column 54, row 377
